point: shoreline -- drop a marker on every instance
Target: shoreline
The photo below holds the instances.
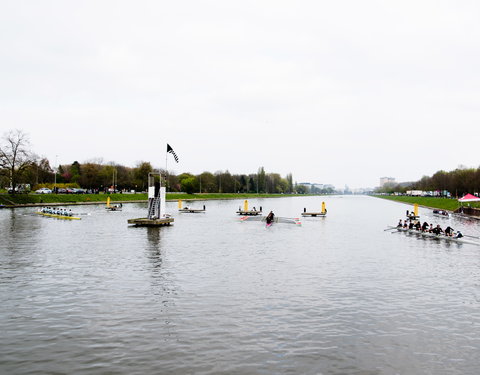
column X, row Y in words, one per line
column 177, row 197
column 440, row 206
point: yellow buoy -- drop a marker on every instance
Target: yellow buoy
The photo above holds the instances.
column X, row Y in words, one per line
column 323, row 208
column 245, row 205
column 179, row 203
column 108, row 201
column 415, row 209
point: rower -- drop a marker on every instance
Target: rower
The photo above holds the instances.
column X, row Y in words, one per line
column 399, row 225
column 449, row 231
column 424, row 226
column 459, row 235
column 437, row 230
column 270, row 217
column 417, row 225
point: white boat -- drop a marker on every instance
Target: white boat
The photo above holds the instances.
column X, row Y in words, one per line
column 436, row 236
column 276, row 219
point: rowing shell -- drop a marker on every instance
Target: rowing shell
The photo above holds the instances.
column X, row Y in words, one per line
column 276, row 219
column 59, row 216
column 436, row 236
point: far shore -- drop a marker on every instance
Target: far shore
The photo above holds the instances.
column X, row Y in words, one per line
column 447, row 204
column 39, row 200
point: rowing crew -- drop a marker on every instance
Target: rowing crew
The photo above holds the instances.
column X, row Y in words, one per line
column 56, row 211
column 429, row 228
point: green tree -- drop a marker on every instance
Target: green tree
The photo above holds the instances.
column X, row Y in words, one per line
column 75, row 171
column 141, row 174
column 90, row 176
column 261, row 180
column 189, row 185
column 301, row 189
column 208, row 182
column 289, row 183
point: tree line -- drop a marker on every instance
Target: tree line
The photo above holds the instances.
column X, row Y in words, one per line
column 18, row 164
column 458, row 182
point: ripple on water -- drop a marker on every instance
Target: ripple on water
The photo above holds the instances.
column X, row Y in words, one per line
column 211, row 294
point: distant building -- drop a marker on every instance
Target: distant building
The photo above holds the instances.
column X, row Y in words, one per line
column 386, row 180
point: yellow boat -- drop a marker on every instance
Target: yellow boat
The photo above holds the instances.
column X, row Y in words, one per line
column 58, row 216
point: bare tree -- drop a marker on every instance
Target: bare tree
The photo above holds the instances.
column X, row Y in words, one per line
column 15, row 156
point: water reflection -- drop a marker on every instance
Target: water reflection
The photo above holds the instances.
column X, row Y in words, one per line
column 212, row 294
column 153, row 250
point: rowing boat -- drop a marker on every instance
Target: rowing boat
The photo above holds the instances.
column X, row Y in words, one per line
column 276, row 219
column 436, row 236
column 441, row 213
column 114, row 207
column 58, row 216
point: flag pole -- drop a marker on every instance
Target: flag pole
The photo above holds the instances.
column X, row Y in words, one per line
column 166, row 170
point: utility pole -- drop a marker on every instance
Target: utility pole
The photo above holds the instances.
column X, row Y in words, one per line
column 55, row 179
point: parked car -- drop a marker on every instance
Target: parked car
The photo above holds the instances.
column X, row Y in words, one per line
column 20, row 188
column 79, row 191
column 43, row 191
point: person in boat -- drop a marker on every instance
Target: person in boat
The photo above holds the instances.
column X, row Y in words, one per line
column 410, row 226
column 399, row 225
column 418, row 226
column 405, row 225
column 270, row 217
column 425, row 226
column 437, row 230
column 449, row 231
column 459, row 235
column 254, row 209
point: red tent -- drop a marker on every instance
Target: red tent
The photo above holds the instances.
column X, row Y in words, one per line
column 469, row 198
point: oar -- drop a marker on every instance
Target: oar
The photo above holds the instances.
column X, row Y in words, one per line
column 390, row 229
column 466, row 235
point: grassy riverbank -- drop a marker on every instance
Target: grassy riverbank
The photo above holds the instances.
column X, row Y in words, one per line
column 440, row 203
column 39, row 199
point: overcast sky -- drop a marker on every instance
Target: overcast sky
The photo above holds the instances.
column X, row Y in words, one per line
column 338, row 92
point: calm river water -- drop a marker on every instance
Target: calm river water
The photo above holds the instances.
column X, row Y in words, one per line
column 211, row 294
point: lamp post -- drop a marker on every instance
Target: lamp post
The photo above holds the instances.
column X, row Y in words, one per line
column 55, row 179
